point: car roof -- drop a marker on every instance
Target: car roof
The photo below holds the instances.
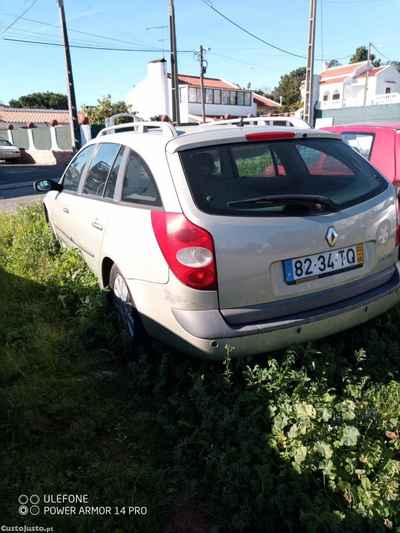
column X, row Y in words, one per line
column 395, row 125
column 224, row 134
column 174, row 139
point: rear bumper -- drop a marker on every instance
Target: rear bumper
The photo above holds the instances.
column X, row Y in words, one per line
column 208, row 332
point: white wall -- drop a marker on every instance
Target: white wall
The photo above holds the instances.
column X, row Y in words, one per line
column 354, row 88
column 153, row 96
column 388, row 74
column 316, row 80
column 331, row 88
column 150, row 96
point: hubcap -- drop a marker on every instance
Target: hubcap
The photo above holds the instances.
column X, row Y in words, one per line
column 123, row 306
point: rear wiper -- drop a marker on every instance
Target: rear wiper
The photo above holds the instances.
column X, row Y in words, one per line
column 306, row 200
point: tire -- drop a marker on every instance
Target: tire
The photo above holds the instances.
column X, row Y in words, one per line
column 13, row 161
column 128, row 317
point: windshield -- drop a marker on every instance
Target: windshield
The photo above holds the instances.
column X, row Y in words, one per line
column 221, row 178
column 3, row 142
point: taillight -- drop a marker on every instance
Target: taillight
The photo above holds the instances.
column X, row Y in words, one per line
column 270, row 135
column 187, row 248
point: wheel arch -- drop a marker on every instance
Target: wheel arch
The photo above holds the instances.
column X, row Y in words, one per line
column 46, row 213
column 106, row 267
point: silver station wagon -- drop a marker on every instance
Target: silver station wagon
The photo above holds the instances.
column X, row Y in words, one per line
column 237, row 233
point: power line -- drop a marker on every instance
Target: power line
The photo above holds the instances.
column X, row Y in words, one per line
column 91, row 47
column 119, row 29
column 246, row 62
column 249, row 33
column 255, row 36
column 380, row 53
column 50, row 38
column 17, row 19
column 75, row 31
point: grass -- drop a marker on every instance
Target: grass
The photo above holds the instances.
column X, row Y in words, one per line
column 306, row 439
column 71, row 423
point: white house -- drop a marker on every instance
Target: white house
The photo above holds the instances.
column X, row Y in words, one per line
column 345, row 86
column 153, row 96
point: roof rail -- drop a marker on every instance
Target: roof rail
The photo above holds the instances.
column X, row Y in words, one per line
column 261, row 121
column 167, row 129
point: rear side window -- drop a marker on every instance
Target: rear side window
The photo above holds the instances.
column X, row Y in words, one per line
column 256, row 171
column 360, row 142
column 139, row 186
column 99, row 169
column 75, row 170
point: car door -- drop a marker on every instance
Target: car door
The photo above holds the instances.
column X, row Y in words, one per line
column 92, row 204
column 60, row 203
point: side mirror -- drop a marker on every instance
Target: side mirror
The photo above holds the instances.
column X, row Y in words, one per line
column 47, row 185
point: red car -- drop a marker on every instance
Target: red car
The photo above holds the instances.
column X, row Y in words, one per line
column 379, row 142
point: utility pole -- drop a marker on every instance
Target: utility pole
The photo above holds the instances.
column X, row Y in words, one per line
column 174, row 67
column 73, row 114
column 203, row 107
column 199, row 55
column 308, row 100
column 367, row 75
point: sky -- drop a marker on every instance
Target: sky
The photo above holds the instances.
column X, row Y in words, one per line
column 235, row 56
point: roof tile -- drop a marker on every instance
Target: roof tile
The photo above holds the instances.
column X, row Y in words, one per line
column 333, row 80
column 37, row 116
column 372, row 72
column 262, row 101
column 339, row 71
column 214, row 83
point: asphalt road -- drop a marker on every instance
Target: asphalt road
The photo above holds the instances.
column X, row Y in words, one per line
column 16, row 183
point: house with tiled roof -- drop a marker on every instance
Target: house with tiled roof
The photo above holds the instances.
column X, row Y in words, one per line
column 264, row 105
column 345, row 86
column 153, row 96
column 20, row 118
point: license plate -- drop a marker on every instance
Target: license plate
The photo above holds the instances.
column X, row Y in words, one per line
column 325, row 264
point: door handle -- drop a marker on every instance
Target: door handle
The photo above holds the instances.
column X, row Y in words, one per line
column 66, row 210
column 97, row 225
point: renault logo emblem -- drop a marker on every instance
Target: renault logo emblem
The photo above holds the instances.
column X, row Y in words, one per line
column 331, row 236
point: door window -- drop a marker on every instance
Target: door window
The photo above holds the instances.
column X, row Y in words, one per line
column 360, row 142
column 75, row 170
column 139, row 185
column 112, row 178
column 100, row 168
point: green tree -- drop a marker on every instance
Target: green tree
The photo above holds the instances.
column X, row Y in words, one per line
column 267, row 92
column 47, row 100
column 105, row 109
column 334, row 63
column 396, row 64
column 361, row 54
column 289, row 87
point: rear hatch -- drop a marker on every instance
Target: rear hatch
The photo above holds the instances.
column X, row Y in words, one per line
column 292, row 216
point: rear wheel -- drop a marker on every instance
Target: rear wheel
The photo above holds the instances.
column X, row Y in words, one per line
column 128, row 316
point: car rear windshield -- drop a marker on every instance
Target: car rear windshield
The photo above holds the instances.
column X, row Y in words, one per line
column 240, row 179
column 3, row 142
